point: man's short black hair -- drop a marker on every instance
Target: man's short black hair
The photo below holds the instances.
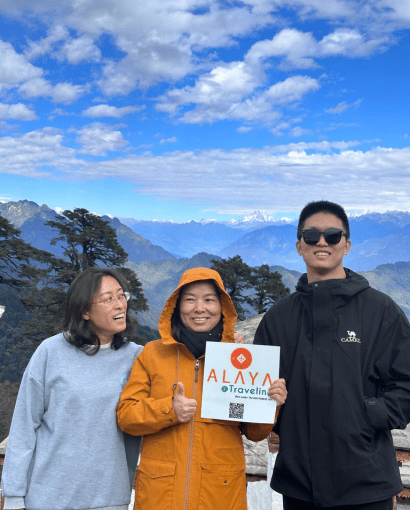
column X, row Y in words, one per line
column 323, row 206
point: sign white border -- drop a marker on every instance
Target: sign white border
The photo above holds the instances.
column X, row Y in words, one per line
column 239, row 393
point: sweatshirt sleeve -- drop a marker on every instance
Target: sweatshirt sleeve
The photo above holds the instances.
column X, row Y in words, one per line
column 138, row 413
column 390, row 408
column 27, row 417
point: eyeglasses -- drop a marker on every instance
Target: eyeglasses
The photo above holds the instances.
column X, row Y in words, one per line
column 109, row 301
column 331, row 235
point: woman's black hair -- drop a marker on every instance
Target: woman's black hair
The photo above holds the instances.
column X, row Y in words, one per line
column 176, row 316
column 77, row 330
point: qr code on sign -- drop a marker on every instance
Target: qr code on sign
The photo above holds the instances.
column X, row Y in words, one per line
column 236, row 411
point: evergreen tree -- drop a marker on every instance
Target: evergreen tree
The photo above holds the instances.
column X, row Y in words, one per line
column 258, row 287
column 88, row 241
column 236, row 276
column 268, row 288
column 18, row 258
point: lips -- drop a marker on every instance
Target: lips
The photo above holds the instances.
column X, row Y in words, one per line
column 119, row 316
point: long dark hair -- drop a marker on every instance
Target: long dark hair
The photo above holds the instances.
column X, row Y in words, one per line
column 176, row 316
column 77, row 330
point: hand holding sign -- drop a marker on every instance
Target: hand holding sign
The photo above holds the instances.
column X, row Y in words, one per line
column 184, row 408
column 278, row 391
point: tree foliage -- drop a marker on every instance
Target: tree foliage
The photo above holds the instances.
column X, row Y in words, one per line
column 18, row 258
column 250, row 288
column 43, row 279
column 236, row 276
column 268, row 287
column 87, row 239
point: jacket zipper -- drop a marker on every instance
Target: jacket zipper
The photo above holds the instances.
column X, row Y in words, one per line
column 190, row 441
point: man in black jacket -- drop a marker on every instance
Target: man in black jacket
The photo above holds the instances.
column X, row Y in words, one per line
column 345, row 356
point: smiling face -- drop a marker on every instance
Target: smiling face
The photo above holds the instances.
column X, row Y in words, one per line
column 200, row 308
column 105, row 318
column 323, row 261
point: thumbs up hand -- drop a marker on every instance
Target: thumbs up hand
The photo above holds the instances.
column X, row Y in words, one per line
column 184, row 408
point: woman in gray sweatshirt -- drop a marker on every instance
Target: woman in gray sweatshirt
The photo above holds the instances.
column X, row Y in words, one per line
column 65, row 450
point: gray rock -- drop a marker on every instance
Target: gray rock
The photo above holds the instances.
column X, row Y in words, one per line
column 248, row 327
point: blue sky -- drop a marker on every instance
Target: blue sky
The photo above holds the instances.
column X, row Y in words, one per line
column 190, row 109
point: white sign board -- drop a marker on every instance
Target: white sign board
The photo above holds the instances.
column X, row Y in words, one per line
column 236, row 382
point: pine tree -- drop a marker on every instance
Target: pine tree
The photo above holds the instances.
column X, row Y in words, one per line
column 236, row 276
column 268, row 288
column 88, row 241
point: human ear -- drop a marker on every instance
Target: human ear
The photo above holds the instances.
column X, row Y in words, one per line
column 86, row 316
column 299, row 247
column 347, row 247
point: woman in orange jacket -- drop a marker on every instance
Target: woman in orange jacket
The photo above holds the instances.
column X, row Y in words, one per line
column 187, row 462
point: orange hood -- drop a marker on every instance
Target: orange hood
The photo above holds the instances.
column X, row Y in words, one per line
column 193, row 275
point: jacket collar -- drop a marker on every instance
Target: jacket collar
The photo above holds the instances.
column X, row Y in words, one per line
column 343, row 288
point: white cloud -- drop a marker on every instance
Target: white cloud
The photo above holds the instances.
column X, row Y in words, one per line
column 297, row 132
column 300, row 50
column 230, row 180
column 343, row 106
column 233, row 179
column 68, row 93
column 37, row 154
column 168, row 140
column 44, row 46
column 228, row 92
column 37, row 87
column 81, row 49
column 104, row 110
column 17, row 112
column 97, row 139
column 14, row 68
column 298, row 47
column 292, row 89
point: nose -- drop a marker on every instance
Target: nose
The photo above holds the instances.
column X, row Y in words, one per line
column 199, row 305
column 322, row 240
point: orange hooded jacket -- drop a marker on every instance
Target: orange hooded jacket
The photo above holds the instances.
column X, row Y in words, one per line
column 198, row 465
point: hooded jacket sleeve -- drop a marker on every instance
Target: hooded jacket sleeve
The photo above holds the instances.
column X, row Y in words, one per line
column 27, row 418
column 258, row 431
column 390, row 407
column 138, row 413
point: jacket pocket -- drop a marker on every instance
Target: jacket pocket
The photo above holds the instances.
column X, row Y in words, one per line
column 155, row 483
column 223, row 487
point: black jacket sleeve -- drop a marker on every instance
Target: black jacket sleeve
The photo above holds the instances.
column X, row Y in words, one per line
column 390, row 408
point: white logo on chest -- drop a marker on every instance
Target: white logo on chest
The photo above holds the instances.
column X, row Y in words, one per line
column 351, row 337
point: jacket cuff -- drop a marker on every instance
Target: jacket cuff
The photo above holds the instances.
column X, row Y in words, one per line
column 168, row 409
column 376, row 412
column 13, row 502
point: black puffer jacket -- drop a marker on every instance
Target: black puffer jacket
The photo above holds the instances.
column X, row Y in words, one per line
column 345, row 356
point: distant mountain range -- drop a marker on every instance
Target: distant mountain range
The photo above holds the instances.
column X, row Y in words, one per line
column 30, row 218
column 376, row 239
column 160, row 251
column 259, row 239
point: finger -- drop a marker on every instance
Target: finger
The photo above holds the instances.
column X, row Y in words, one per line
column 181, row 389
column 238, row 338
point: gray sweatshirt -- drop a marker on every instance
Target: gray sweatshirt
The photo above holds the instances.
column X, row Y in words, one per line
column 65, row 450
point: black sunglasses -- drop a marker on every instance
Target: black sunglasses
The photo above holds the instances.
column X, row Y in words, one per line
column 331, row 235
